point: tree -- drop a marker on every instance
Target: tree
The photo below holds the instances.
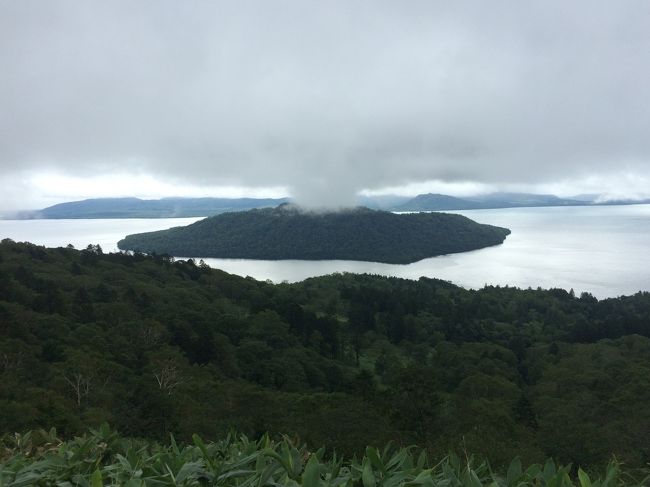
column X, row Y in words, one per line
column 167, row 370
column 85, row 373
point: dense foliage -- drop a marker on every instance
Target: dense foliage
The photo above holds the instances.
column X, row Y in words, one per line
column 286, row 232
column 153, row 346
column 104, row 458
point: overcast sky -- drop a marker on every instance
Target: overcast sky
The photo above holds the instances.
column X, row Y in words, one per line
column 322, row 99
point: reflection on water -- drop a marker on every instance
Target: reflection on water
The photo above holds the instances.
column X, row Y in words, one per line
column 602, row 250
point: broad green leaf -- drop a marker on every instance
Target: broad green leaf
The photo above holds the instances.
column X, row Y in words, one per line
column 424, row 478
column 373, row 455
column 311, row 474
column 367, row 476
column 96, row 479
column 584, row 478
column 514, row 471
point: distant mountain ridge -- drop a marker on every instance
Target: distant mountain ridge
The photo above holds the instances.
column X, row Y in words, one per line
column 197, row 207
column 140, row 208
column 288, row 232
column 441, row 202
column 173, row 207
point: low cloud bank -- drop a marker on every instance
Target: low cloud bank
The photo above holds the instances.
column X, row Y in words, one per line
column 327, row 99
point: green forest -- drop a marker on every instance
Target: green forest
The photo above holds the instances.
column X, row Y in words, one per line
column 155, row 346
column 289, row 232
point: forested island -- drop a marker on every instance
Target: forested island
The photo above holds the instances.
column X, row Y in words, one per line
column 289, row 232
column 155, row 346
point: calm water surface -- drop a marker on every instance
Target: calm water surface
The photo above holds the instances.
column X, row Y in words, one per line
column 80, row 233
column 602, row 250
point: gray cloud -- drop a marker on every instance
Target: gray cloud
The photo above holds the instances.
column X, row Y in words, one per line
column 326, row 98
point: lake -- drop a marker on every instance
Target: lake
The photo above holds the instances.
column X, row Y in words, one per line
column 603, row 250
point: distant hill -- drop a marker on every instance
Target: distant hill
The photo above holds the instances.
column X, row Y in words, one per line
column 622, row 202
column 504, row 200
column 288, row 232
column 139, row 208
column 441, row 202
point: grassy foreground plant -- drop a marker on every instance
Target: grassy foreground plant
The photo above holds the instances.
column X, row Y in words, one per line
column 102, row 457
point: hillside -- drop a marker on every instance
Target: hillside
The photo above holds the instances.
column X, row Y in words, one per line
column 287, row 232
column 139, row 208
column 155, row 346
